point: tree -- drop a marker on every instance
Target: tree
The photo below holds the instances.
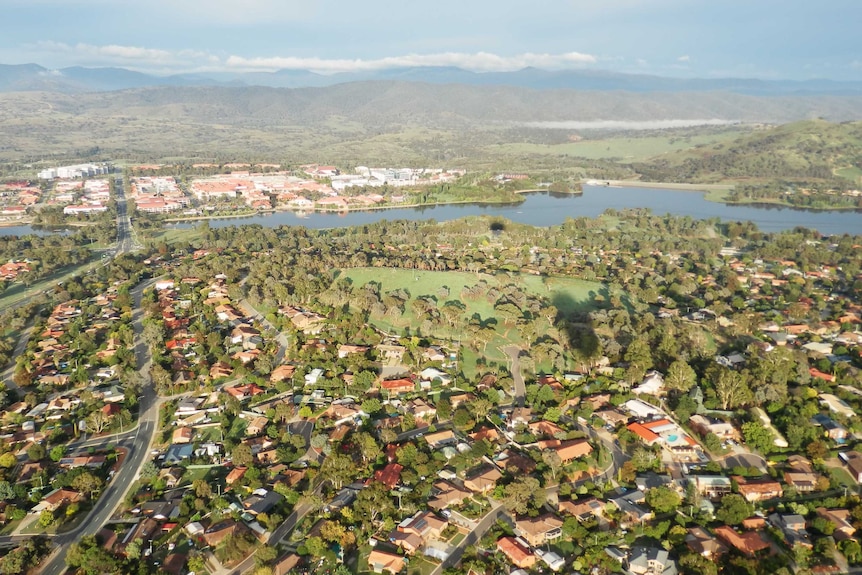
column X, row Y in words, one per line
column 36, row 452
column 734, row 508
column 133, row 549
column 338, row 469
column 680, row 376
column 8, row 460
column 242, row 455
column 553, row 461
column 757, row 436
column 663, row 499
column 694, row 564
column 97, row 421
column 57, row 453
column 851, row 550
column 86, row 482
column 523, row 494
column 368, row 448
column 730, row 387
column 373, row 502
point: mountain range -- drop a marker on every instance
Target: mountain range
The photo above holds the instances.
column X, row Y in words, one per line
column 33, row 77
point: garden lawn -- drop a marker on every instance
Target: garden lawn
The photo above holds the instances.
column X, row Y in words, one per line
column 569, row 295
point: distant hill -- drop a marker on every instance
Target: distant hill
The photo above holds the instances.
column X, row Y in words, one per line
column 373, row 121
column 810, row 150
column 384, row 103
column 30, row 77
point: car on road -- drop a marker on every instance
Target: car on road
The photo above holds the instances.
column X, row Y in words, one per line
column 446, row 513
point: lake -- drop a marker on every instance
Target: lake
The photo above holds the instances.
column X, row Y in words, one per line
column 547, row 209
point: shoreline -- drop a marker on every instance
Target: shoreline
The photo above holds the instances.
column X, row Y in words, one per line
column 373, row 208
column 714, row 193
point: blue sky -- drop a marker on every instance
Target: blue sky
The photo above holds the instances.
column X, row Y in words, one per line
column 795, row 39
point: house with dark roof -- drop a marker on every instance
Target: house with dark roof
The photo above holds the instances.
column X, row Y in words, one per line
column 704, row 543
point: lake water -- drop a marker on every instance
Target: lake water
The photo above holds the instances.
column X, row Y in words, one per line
column 546, row 209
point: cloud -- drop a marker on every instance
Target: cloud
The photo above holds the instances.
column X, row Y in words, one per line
column 685, row 58
column 165, row 61
column 477, row 62
column 133, row 57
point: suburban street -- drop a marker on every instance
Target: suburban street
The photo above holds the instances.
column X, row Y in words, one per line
column 125, row 240
column 137, row 443
column 473, row 537
column 249, row 310
column 19, row 350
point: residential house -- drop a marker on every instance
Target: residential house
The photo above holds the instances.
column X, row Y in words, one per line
column 410, row 543
column 758, row 489
column 521, row 416
column 380, row 561
column 256, row 426
column 423, row 524
column 749, row 542
column 171, row 476
column 539, row 530
column 612, row 417
column 844, row 529
column 706, row 425
column 235, row 475
column 514, row 462
column 517, row 552
column 853, row 460
column 837, row 405
column 544, row 428
column 712, row 486
column 441, row 439
column 286, row 565
column 421, row 409
column 397, row 386
column 831, row 428
column 282, row 373
column 583, row 509
column 704, row 543
column 803, row 482
column 631, row 508
column 651, row 561
column 793, row 527
column 482, row 479
column 216, row 533
column 446, row 494
column 261, row 501
column 183, row 435
column 348, row 349
column 568, row 450
column 389, row 475
column 57, row 499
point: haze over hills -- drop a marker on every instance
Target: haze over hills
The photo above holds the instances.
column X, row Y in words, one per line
column 30, row 77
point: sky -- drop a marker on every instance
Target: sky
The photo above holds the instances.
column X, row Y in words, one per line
column 770, row 39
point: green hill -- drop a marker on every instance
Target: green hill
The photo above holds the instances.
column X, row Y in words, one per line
column 814, row 152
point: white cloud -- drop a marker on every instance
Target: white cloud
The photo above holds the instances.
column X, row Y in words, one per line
column 165, row 61
column 477, row 62
column 685, row 58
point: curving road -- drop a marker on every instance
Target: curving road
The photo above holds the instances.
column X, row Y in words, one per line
column 137, row 442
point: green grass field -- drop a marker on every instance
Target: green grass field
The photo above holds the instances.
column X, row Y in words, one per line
column 622, row 147
column 853, row 173
column 568, row 294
